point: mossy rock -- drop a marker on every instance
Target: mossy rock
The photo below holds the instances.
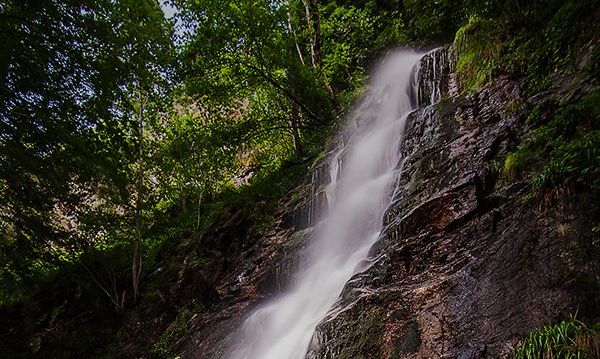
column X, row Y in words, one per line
column 298, row 238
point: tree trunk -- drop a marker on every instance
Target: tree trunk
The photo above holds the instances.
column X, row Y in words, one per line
column 293, row 32
column 296, row 131
column 312, row 11
column 331, row 92
column 313, row 22
column 294, row 120
column 136, row 264
column 262, row 72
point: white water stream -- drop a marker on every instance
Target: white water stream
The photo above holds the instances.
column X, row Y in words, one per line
column 362, row 170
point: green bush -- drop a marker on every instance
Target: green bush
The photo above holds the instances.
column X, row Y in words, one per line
column 549, row 44
column 575, row 162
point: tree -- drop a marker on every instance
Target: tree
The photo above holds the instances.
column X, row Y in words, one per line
column 67, row 133
column 313, row 24
column 239, row 47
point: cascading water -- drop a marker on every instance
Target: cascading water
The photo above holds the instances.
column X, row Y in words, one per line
column 362, row 170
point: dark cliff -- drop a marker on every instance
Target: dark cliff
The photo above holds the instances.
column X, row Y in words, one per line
column 468, row 263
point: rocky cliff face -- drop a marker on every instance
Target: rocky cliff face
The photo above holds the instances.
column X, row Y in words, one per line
column 465, row 266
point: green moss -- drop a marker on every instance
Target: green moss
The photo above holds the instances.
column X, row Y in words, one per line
column 513, row 108
column 297, row 238
column 541, row 111
column 569, row 339
column 359, row 338
column 410, row 342
column 178, row 329
column 477, row 47
column 518, row 163
column 596, row 236
column 367, row 343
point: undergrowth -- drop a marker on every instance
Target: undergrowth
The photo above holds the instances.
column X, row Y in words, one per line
column 537, row 54
column 564, row 151
column 569, row 339
column 163, row 348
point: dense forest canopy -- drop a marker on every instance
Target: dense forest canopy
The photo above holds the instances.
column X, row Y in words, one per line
column 121, row 130
column 73, row 75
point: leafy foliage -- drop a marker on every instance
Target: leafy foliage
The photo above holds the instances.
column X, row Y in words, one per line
column 67, row 139
column 175, row 332
column 532, row 40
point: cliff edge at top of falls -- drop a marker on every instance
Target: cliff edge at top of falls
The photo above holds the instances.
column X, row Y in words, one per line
column 467, row 265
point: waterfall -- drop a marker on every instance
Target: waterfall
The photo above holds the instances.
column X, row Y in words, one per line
column 362, row 171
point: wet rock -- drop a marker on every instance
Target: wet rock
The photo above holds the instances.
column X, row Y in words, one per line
column 260, row 271
column 441, row 211
column 462, row 269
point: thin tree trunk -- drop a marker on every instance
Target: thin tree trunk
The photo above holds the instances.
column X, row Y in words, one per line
column 136, row 265
column 313, row 11
column 294, row 120
column 296, row 131
column 293, row 32
column 313, row 22
column 309, row 28
column 260, row 71
column 331, row 92
column 114, row 297
column 199, row 203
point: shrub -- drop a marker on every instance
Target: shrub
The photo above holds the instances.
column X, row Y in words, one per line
column 563, row 152
column 569, row 339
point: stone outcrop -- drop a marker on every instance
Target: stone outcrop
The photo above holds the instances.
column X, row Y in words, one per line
column 464, row 268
